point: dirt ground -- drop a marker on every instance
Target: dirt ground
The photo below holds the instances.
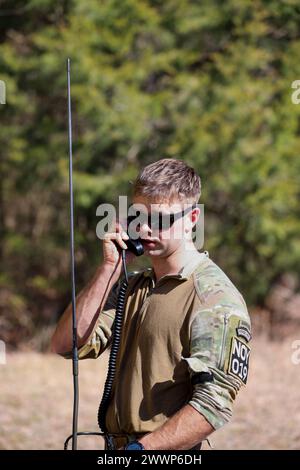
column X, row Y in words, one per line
column 36, row 401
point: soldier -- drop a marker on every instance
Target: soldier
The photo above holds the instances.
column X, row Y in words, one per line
column 184, row 350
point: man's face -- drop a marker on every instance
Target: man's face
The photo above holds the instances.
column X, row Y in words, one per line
column 161, row 237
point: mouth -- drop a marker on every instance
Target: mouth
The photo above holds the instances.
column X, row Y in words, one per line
column 148, row 243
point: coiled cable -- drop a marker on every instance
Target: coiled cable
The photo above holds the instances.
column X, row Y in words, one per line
column 116, row 338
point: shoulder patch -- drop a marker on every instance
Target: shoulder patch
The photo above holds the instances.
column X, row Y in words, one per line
column 239, row 359
column 243, row 331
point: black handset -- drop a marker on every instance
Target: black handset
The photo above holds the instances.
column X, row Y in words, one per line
column 135, row 246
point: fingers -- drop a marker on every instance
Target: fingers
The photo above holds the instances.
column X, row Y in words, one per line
column 121, row 232
column 118, row 236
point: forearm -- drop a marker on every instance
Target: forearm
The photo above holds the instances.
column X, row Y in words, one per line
column 88, row 304
column 181, row 432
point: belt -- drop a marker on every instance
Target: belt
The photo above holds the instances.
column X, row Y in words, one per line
column 120, row 440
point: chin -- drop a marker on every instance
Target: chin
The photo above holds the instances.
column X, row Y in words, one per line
column 155, row 253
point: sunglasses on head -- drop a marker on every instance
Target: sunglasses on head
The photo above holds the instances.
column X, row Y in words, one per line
column 157, row 220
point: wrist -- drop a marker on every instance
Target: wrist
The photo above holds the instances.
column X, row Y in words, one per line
column 109, row 272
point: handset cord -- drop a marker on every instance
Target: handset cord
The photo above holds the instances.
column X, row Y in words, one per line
column 116, row 338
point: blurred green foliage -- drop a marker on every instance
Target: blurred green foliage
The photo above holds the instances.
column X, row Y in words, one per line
column 208, row 82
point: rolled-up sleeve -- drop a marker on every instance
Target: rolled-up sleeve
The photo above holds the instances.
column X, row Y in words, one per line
column 219, row 348
column 101, row 335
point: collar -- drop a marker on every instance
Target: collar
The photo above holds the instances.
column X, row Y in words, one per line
column 184, row 273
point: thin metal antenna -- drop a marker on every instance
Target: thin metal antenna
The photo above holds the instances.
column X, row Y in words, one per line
column 74, row 323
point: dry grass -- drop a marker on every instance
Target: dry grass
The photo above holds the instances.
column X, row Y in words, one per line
column 36, row 401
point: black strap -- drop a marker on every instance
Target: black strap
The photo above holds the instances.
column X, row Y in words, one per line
column 202, row 377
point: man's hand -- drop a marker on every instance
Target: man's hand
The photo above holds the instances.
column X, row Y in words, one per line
column 111, row 240
column 111, row 254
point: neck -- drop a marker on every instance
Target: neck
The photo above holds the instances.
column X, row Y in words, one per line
column 172, row 263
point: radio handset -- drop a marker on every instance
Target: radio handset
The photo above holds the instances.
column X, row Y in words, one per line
column 134, row 246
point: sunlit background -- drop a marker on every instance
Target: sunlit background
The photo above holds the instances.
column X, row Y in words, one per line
column 208, row 82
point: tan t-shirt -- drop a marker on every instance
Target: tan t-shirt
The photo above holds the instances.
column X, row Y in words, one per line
column 174, row 329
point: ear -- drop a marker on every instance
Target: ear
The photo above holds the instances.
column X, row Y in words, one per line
column 195, row 214
column 191, row 220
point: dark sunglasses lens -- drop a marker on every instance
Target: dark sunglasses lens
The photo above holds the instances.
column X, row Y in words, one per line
column 161, row 221
column 156, row 221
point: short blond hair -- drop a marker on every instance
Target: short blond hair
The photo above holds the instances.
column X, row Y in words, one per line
column 168, row 180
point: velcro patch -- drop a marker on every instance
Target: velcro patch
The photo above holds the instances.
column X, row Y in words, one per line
column 243, row 331
column 202, row 377
column 239, row 359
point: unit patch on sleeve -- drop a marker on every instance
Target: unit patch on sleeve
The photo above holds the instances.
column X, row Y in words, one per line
column 239, row 359
column 243, row 331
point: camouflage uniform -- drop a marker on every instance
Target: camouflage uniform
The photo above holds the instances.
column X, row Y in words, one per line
column 184, row 341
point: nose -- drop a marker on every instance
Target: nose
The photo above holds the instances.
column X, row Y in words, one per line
column 144, row 229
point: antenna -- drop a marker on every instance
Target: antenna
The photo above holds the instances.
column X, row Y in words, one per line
column 74, row 323
column 75, row 433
